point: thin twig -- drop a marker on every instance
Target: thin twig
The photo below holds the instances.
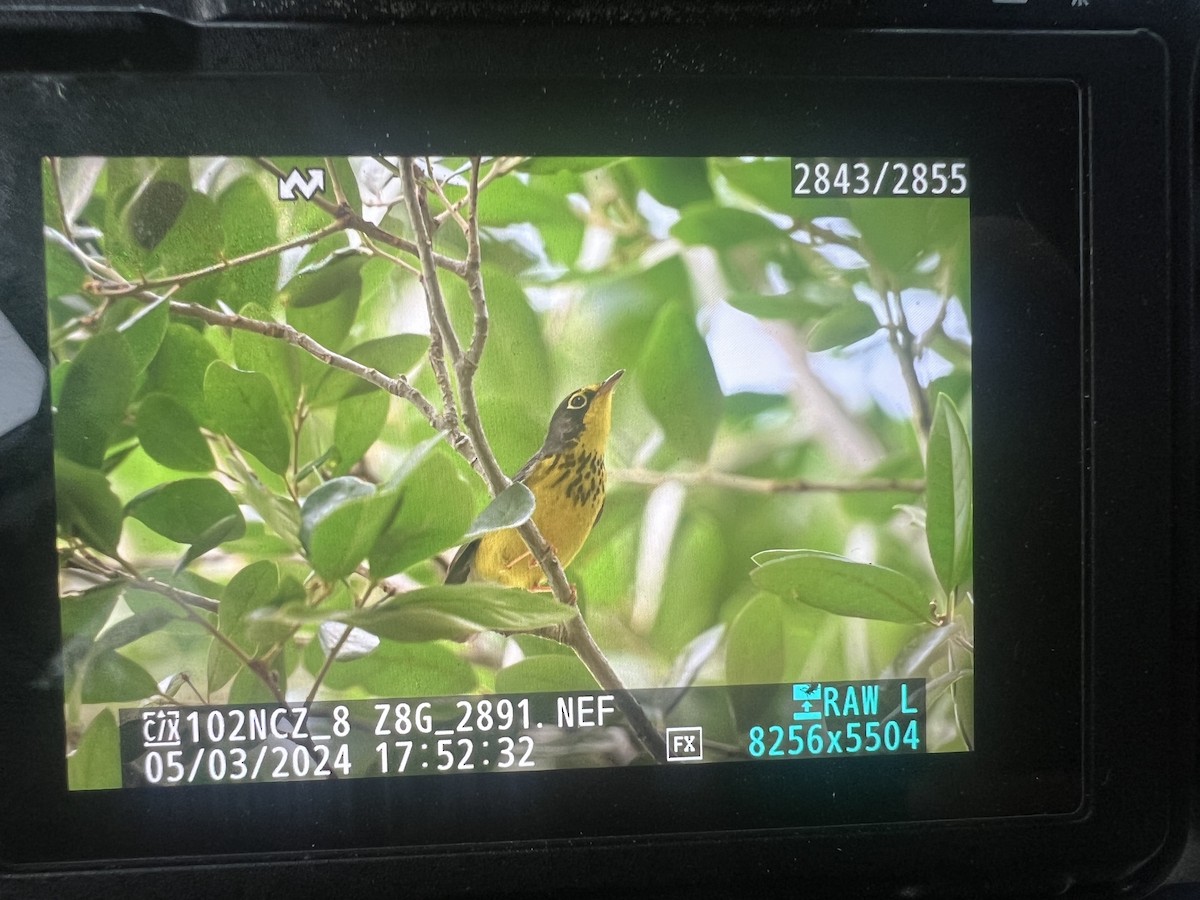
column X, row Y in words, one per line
column 124, row 288
column 330, row 656
column 395, row 260
column 931, row 333
column 180, row 596
column 339, row 194
column 750, row 484
column 900, row 339
column 501, row 165
column 438, row 187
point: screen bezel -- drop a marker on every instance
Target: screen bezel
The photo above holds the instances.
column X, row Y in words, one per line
column 998, row 124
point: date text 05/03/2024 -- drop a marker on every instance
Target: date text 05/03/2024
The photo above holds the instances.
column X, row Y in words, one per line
column 171, row 746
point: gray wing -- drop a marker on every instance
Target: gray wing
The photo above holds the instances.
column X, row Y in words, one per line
column 460, row 566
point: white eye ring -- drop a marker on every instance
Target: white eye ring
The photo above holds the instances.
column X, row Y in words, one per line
column 577, row 402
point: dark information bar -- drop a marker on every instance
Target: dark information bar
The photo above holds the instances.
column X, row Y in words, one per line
column 832, row 176
column 165, row 746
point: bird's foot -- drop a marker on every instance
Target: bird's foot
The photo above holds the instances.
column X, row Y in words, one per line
column 526, row 555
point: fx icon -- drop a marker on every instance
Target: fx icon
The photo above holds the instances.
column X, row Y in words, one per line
column 308, row 187
column 685, row 744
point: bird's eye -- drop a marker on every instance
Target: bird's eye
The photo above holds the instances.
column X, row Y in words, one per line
column 578, row 401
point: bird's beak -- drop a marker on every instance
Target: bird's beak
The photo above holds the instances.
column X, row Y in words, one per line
column 609, row 383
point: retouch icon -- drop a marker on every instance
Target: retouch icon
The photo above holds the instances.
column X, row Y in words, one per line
column 308, row 188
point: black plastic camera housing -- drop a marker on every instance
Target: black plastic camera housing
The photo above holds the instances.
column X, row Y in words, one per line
column 1077, row 118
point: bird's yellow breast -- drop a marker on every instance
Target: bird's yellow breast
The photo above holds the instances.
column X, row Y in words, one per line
column 568, row 489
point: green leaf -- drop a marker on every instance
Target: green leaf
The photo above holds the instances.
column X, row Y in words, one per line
column 156, row 224
column 195, row 241
column 359, row 422
column 691, row 591
column 393, row 355
column 508, row 201
column 679, row 383
column 95, row 394
column 183, row 511
column 513, row 430
column 340, row 522
column 154, row 211
column 551, row 673
column 844, row 326
column 510, row 508
column 443, row 612
column 948, row 496
column 810, row 301
column 244, row 406
column 724, row 226
column 64, row 274
column 144, row 197
column 87, row 506
column 455, row 612
column 170, row 435
column 324, row 283
column 230, row 528
column 551, row 165
column 672, row 181
column 755, row 651
column 844, row 587
column 220, row 666
column 179, row 366
column 134, row 627
column 252, row 588
column 434, row 512
column 144, row 329
column 405, row 670
column 323, row 303
column 768, row 181
column 83, row 616
column 113, row 678
column 96, row 762
column 247, row 217
column 248, row 687
column 278, row 512
column 609, row 326
column 278, row 360
column 516, row 361
column 901, row 231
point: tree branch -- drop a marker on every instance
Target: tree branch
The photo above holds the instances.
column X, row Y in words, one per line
column 358, row 223
column 750, row 484
column 467, row 365
column 901, row 340
column 398, row 386
column 577, row 636
column 441, row 331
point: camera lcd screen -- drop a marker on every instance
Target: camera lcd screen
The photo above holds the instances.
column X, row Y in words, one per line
column 733, row 395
